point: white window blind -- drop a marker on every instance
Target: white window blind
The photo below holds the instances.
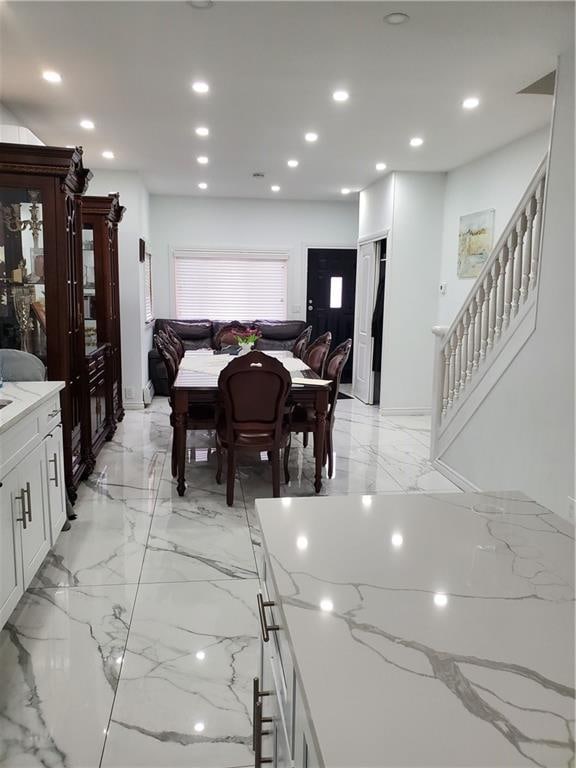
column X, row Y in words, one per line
column 230, row 285
column 148, row 311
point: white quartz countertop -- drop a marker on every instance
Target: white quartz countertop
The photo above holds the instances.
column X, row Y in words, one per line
column 428, row 630
column 24, row 397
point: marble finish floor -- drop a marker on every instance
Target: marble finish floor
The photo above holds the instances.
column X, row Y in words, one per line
column 137, row 643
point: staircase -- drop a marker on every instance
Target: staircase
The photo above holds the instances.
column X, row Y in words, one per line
column 500, row 309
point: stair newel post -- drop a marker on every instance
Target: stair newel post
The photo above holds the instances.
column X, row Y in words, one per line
column 472, row 337
column 537, row 233
column 464, row 350
column 452, row 342
column 509, row 277
column 494, row 272
column 502, row 262
column 478, row 326
column 527, row 261
column 518, row 263
column 458, row 358
column 487, row 287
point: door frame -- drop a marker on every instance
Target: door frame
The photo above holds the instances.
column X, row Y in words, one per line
column 304, row 276
column 375, row 237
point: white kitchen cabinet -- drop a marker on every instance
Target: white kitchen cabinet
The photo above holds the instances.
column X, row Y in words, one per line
column 53, row 452
column 34, row 534
column 32, row 499
column 11, row 576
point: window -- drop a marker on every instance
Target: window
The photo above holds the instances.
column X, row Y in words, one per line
column 148, row 312
column 335, row 293
column 230, row 285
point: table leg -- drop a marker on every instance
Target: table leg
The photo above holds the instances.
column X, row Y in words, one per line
column 180, row 423
column 319, row 437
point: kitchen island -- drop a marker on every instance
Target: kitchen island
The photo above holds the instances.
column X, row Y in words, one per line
column 415, row 630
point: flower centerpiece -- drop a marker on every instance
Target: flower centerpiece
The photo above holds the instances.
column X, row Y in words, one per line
column 247, row 339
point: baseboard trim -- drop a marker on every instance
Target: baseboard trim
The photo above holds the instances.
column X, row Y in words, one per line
column 453, row 476
column 134, row 405
column 405, row 411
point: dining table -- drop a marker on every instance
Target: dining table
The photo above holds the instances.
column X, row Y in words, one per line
column 197, row 384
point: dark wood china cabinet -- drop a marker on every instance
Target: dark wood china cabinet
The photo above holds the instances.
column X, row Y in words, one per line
column 103, row 374
column 41, row 292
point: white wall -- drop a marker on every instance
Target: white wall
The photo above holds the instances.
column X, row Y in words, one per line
column 375, row 208
column 410, row 302
column 498, row 181
column 180, row 222
column 12, row 131
column 136, row 337
column 522, row 435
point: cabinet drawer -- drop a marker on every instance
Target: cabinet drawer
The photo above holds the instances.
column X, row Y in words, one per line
column 20, row 438
column 49, row 414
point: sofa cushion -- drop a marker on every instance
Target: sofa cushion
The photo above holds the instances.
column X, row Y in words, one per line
column 195, row 334
column 280, row 330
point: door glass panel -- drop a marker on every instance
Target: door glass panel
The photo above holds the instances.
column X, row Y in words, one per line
column 335, row 293
column 89, row 278
column 22, row 290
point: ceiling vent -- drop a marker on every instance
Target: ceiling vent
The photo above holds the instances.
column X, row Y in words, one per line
column 543, row 87
column 258, row 175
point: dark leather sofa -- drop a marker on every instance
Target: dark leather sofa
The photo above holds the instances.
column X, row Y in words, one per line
column 202, row 334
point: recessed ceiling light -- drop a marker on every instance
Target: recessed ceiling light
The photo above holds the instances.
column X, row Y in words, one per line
column 199, row 86
column 202, row 131
column 275, row 188
column 311, row 136
column 380, row 166
column 471, row 103
column 416, row 141
column 340, row 95
column 108, row 154
column 292, row 163
column 202, row 159
column 396, row 18
column 345, row 190
column 52, row 77
column 202, row 185
column 88, row 125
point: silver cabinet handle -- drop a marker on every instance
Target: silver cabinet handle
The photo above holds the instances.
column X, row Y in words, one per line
column 23, row 505
column 54, row 413
column 29, row 511
column 55, row 462
column 265, row 627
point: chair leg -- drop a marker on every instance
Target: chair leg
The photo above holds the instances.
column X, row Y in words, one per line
column 230, row 477
column 286, row 460
column 305, row 439
column 174, row 456
column 276, row 473
column 219, row 457
column 330, row 451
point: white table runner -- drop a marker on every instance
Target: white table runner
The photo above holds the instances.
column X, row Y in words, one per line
column 204, row 362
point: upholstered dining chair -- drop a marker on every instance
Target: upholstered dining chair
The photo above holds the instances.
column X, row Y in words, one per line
column 199, row 416
column 302, row 342
column 316, row 354
column 176, row 341
column 304, row 419
column 252, row 395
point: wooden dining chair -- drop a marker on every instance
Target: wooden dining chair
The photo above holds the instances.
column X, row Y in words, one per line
column 317, row 352
column 302, row 342
column 252, row 394
column 304, row 419
column 200, row 416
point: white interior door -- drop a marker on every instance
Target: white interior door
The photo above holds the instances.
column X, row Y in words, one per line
column 362, row 381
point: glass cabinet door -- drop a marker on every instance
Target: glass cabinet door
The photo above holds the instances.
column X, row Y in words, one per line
column 89, row 277
column 22, row 286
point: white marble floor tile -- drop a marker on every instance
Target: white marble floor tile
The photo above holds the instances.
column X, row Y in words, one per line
column 105, row 545
column 411, row 469
column 184, row 698
column 126, row 475
column 60, row 660
column 198, row 538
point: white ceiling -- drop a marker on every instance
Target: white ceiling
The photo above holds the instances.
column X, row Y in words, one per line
column 272, row 68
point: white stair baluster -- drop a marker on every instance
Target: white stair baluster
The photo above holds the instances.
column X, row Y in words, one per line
column 509, row 278
column 537, row 233
column 530, row 208
column 493, row 304
column 502, row 263
column 518, row 263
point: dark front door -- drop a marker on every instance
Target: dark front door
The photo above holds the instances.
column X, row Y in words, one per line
column 331, row 295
